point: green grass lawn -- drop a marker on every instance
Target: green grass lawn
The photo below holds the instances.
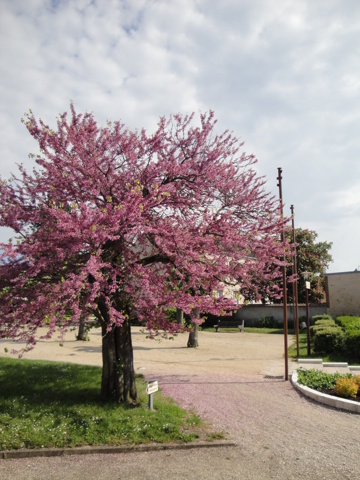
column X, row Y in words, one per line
column 50, row 404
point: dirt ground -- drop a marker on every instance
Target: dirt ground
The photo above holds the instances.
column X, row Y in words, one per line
column 235, row 352
column 235, row 381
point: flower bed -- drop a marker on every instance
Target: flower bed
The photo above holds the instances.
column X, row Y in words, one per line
column 335, row 384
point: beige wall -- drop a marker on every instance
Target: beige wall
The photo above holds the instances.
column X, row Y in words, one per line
column 343, row 293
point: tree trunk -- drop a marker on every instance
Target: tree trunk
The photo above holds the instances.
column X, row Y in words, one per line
column 193, row 341
column 118, row 375
column 82, row 332
column 179, row 316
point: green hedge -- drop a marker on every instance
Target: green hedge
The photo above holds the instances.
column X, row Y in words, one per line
column 323, row 316
column 317, row 328
column 329, row 340
column 348, row 322
column 326, row 322
column 352, row 344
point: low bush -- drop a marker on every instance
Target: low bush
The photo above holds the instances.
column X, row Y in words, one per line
column 356, row 379
column 329, row 340
column 318, row 380
column 321, row 326
column 323, row 316
column 348, row 322
column 352, row 344
column 325, row 321
column 267, row 322
column 346, row 387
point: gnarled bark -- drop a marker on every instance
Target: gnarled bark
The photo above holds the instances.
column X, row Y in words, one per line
column 118, row 375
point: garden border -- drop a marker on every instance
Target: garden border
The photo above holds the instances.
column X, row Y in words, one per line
column 330, row 400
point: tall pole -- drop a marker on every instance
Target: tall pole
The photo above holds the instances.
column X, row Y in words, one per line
column 279, row 178
column 307, row 322
column 295, row 285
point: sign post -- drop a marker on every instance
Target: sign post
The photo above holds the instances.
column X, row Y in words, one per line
column 151, row 388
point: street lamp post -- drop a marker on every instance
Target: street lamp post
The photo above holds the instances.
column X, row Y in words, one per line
column 279, row 178
column 306, row 276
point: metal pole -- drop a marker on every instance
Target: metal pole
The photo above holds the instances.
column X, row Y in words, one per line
column 279, row 178
column 307, row 322
column 295, row 286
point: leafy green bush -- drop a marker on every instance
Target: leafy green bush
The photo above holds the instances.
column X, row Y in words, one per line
column 323, row 316
column 318, row 380
column 267, row 322
column 329, row 340
column 352, row 344
column 171, row 314
column 322, row 326
column 349, row 322
column 325, row 321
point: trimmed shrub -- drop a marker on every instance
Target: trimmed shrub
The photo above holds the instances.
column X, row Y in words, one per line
column 321, row 325
column 329, row 340
column 346, row 387
column 323, row 316
column 324, row 321
column 348, row 322
column 352, row 344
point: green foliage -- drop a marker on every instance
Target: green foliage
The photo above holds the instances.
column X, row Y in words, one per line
column 352, row 344
column 318, row 380
column 314, row 257
column 171, row 314
column 321, row 324
column 329, row 339
column 49, row 404
column 322, row 316
column 267, row 322
column 349, row 322
column 346, row 387
column 325, row 323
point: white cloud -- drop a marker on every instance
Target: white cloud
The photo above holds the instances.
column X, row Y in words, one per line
column 284, row 75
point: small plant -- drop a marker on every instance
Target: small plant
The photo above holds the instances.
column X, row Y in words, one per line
column 346, row 387
column 267, row 322
column 318, row 380
column 356, row 379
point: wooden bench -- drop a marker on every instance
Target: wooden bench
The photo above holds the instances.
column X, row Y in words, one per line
column 229, row 323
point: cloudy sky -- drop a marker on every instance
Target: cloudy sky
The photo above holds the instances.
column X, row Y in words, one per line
column 284, row 75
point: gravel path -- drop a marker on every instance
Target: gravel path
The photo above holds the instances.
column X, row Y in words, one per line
column 279, row 434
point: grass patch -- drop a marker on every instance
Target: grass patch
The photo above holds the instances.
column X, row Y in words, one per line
column 51, row 404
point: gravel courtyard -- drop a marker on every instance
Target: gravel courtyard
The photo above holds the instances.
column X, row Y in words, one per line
column 234, row 381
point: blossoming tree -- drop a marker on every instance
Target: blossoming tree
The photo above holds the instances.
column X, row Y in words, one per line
column 124, row 225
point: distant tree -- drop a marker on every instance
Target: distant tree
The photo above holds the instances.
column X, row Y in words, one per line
column 312, row 257
column 111, row 222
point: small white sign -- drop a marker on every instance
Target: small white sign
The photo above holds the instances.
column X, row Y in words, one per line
column 152, row 387
column 308, row 285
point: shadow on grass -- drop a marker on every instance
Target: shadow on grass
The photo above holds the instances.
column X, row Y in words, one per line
column 46, row 382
